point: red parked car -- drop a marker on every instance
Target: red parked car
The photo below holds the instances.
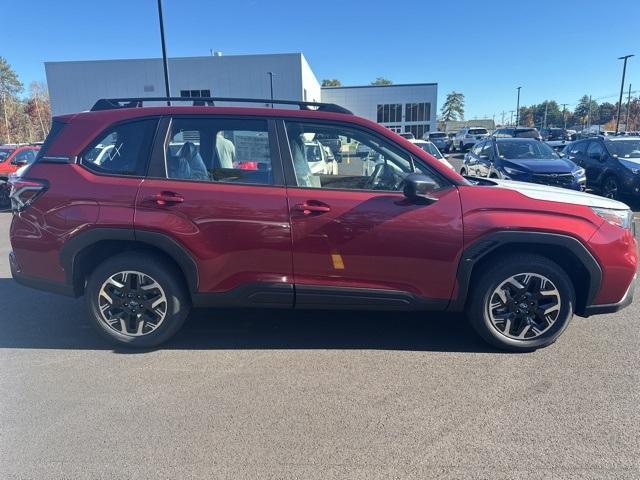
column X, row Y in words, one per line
column 146, row 212
column 12, row 157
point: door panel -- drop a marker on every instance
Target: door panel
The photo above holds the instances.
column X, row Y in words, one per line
column 378, row 240
column 238, row 234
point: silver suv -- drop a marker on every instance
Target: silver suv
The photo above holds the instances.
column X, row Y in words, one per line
column 468, row 136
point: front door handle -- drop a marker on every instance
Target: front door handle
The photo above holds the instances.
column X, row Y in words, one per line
column 312, row 206
column 167, row 198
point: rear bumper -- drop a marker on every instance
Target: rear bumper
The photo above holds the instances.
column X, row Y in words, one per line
column 613, row 307
column 38, row 283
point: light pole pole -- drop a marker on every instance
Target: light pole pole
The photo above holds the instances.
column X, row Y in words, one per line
column 564, row 117
column 165, row 63
column 624, row 71
column 271, row 86
column 518, row 109
column 626, row 123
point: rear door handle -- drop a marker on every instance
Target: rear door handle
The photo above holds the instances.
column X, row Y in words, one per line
column 312, row 206
column 167, row 198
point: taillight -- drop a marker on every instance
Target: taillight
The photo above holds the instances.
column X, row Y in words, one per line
column 25, row 191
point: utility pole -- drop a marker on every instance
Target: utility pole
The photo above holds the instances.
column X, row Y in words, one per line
column 6, row 119
column 564, row 117
column 624, row 71
column 518, row 108
column 546, row 106
column 165, row 62
column 511, row 119
column 589, row 114
column 502, row 123
column 626, row 122
column 271, row 86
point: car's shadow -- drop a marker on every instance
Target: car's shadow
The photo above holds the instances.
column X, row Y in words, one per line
column 31, row 319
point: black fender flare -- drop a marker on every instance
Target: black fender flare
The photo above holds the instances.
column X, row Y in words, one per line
column 71, row 249
column 490, row 242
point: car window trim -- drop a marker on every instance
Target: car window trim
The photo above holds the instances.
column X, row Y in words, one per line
column 287, row 160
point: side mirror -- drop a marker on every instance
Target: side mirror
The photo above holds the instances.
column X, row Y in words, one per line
column 418, row 187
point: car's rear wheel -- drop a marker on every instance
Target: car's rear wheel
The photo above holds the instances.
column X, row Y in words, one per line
column 523, row 303
column 136, row 300
column 611, row 188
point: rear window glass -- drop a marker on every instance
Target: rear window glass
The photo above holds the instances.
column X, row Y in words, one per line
column 4, row 153
column 527, row 133
column 438, row 135
column 478, row 131
column 56, row 128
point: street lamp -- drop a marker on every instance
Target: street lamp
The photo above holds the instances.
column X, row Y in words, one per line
column 165, row 63
column 271, row 86
column 518, row 109
column 624, row 71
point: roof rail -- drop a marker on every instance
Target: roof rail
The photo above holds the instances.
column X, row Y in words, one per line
column 138, row 102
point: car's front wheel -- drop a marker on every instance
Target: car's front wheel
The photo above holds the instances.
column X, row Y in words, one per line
column 610, row 187
column 136, row 300
column 522, row 303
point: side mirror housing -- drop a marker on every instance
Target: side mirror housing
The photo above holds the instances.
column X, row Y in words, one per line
column 418, row 188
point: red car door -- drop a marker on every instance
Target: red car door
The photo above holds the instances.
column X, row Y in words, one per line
column 219, row 192
column 357, row 241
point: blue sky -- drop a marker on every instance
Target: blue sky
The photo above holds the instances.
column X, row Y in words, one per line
column 555, row 49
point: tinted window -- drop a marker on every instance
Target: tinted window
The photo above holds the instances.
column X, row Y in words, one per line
column 28, row 156
column 4, row 153
column 219, row 150
column 122, row 150
column 625, row 148
column 476, row 148
column 487, row 149
column 527, row 133
column 56, row 128
column 430, row 148
column 438, row 135
column 478, row 131
column 595, row 150
column 577, row 148
column 524, row 150
column 368, row 162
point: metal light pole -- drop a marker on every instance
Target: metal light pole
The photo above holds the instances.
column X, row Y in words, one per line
column 564, row 117
column 624, row 71
column 518, row 109
column 165, row 63
column 271, row 86
column 626, row 122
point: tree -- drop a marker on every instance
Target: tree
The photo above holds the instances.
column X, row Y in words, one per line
column 10, row 87
column 606, row 112
column 453, row 107
column 381, row 81
column 586, row 112
column 331, row 82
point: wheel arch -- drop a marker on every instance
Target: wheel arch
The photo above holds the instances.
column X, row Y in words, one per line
column 85, row 251
column 568, row 252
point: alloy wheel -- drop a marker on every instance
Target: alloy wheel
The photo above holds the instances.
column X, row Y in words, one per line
column 610, row 188
column 132, row 303
column 524, row 306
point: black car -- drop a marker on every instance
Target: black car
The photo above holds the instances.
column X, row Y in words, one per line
column 517, row 132
column 612, row 164
column 524, row 160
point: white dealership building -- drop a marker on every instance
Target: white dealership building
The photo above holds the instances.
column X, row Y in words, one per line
column 76, row 85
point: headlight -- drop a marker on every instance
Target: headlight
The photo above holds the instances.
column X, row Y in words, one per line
column 621, row 218
column 513, row 171
column 579, row 172
column 633, row 166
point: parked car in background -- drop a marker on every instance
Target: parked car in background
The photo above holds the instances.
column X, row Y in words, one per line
column 439, row 139
column 13, row 157
column 320, row 159
column 612, row 163
column 556, row 138
column 524, row 160
column 431, row 149
column 468, row 136
column 450, row 137
column 143, row 246
column 517, row 132
column 407, row 135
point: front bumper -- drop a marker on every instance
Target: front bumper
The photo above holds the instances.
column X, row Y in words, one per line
column 613, row 307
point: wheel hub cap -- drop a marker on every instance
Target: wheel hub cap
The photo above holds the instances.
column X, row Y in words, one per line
column 524, row 306
column 132, row 303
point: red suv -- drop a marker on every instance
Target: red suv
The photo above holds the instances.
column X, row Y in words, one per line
column 12, row 157
column 149, row 210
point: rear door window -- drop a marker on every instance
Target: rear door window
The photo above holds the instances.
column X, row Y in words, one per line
column 121, row 150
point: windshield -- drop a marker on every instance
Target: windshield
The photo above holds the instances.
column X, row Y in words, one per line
column 431, row 149
column 438, row 135
column 529, row 150
column 4, row 153
column 625, row 148
column 478, row 131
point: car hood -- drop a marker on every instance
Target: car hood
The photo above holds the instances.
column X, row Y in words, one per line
column 551, row 165
column 562, row 195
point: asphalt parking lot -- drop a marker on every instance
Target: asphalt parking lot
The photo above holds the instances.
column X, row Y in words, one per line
column 273, row 394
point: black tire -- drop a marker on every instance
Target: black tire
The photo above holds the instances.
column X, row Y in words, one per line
column 461, row 147
column 485, row 285
column 610, row 187
column 5, row 202
column 463, row 172
column 176, row 307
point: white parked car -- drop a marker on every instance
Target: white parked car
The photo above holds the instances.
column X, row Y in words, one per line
column 468, row 136
column 431, row 149
column 320, row 163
